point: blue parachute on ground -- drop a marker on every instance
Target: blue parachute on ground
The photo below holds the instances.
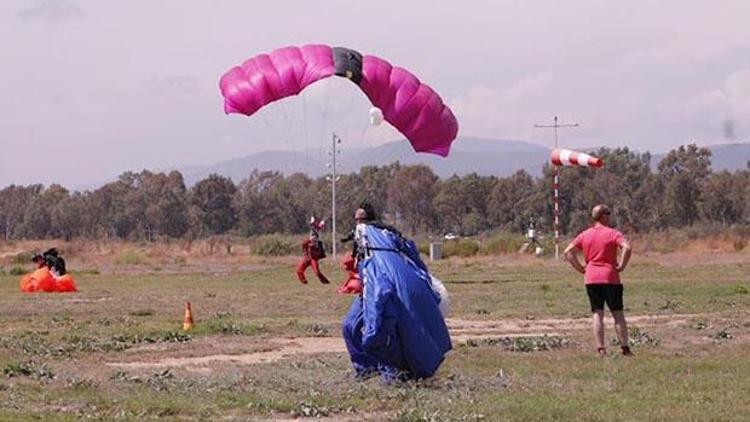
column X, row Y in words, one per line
column 395, row 328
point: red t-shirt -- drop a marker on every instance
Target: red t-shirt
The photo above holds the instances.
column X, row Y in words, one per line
column 599, row 244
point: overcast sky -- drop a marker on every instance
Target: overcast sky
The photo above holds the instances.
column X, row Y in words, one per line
column 91, row 88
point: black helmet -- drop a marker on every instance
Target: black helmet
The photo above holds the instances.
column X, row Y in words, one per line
column 369, row 211
column 51, row 251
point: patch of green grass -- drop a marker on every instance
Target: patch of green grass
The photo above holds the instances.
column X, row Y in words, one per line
column 130, row 258
column 524, row 344
column 90, row 271
column 18, row 270
column 29, row 369
column 142, row 313
column 638, row 337
column 23, row 258
column 222, row 323
column 272, row 245
column 723, row 334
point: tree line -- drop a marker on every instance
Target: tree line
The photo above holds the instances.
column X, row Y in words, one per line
column 683, row 191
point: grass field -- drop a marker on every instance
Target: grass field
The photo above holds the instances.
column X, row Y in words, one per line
column 522, row 352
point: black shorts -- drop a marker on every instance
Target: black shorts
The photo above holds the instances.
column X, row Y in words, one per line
column 599, row 294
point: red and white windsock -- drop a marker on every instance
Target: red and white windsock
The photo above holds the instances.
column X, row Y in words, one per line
column 566, row 157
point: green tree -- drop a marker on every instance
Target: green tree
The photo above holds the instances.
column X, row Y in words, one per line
column 14, row 203
column 410, row 193
column 684, row 171
column 212, row 206
column 723, row 198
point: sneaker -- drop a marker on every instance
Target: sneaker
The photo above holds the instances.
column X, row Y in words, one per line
column 626, row 351
column 602, row 351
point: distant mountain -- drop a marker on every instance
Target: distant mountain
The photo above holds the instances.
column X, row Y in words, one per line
column 237, row 169
column 468, row 155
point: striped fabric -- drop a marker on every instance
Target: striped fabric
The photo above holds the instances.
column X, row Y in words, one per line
column 566, row 157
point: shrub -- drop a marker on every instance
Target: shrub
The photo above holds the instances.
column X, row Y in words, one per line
column 130, row 258
column 22, row 258
column 272, row 245
column 462, row 248
column 665, row 242
column 739, row 244
column 502, row 243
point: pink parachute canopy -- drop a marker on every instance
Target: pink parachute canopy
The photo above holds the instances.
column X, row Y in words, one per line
column 410, row 106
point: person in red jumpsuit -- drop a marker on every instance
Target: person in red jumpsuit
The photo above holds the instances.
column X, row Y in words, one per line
column 312, row 249
column 352, row 284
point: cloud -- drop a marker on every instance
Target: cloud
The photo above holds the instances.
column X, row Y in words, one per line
column 508, row 113
column 736, row 92
column 52, row 12
column 723, row 112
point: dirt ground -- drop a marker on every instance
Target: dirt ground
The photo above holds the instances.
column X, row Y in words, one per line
column 278, row 348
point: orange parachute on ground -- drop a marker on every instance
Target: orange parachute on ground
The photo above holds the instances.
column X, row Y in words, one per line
column 42, row 280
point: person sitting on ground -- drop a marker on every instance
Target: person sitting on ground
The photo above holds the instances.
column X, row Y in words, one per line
column 38, row 260
column 599, row 244
column 55, row 262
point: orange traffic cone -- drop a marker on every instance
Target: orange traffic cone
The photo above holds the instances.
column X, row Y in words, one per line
column 187, row 323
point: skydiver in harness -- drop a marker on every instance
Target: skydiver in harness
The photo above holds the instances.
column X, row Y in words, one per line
column 533, row 241
column 353, row 284
column 54, row 262
column 312, row 249
column 396, row 328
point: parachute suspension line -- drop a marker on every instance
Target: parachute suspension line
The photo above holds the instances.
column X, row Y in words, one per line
column 327, row 96
column 253, row 137
column 287, row 134
column 435, row 139
column 305, row 134
column 270, row 127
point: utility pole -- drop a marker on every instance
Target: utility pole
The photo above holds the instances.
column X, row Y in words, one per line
column 556, row 185
column 333, row 177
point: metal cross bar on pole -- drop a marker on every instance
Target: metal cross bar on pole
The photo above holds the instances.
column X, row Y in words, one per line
column 556, row 184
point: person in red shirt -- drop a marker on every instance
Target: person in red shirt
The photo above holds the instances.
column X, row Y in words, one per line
column 312, row 249
column 600, row 244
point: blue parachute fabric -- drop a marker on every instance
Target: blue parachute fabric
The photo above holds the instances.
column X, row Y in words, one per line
column 395, row 328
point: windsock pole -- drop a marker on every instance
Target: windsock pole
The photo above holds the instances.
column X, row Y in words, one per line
column 556, row 186
column 333, row 177
column 556, row 202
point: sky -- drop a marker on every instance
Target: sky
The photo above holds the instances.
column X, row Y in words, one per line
column 89, row 89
